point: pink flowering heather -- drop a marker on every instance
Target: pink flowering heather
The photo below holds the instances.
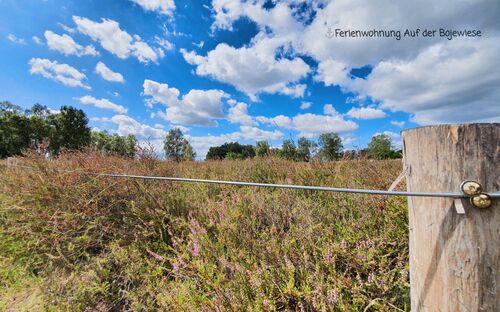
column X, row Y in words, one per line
column 196, row 248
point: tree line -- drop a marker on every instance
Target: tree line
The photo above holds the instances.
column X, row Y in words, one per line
column 51, row 132
column 328, row 147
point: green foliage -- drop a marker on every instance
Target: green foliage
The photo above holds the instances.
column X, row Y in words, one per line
column 288, row 150
column 15, row 131
column 131, row 245
column 187, row 151
column 380, row 147
column 331, row 146
column 262, row 148
column 235, row 150
column 114, row 144
column 177, row 147
column 305, row 149
column 45, row 131
column 70, row 130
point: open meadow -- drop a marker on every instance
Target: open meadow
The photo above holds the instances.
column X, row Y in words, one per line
column 74, row 241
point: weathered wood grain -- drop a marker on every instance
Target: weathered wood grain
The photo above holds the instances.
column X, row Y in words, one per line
column 454, row 259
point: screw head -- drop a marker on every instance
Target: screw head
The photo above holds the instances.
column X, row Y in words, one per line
column 471, row 188
column 481, row 201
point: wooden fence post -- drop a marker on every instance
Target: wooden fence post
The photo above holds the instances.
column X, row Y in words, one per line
column 454, row 258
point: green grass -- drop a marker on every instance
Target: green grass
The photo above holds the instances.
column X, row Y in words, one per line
column 76, row 242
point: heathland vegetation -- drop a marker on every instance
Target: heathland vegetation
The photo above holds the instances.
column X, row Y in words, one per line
column 74, row 241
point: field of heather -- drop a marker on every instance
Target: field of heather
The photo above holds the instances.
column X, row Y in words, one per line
column 74, row 241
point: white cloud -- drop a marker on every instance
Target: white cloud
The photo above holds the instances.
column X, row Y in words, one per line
column 167, row 45
column 279, row 121
column 160, row 93
column 201, row 144
column 362, row 15
column 332, row 72
column 166, row 7
column 279, row 19
column 447, row 82
column 253, row 69
column 67, row 28
column 67, row 46
column 37, row 40
column 197, row 107
column 253, row 133
column 398, row 123
column 391, row 134
column 305, row 105
column 117, row 41
column 108, row 74
column 102, row 103
column 328, row 109
column 312, row 125
column 127, row 125
column 366, row 113
column 15, row 39
column 199, row 44
column 238, row 113
column 434, row 79
column 63, row 73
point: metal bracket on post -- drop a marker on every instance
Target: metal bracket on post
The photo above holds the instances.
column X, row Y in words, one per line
column 474, row 191
column 459, row 206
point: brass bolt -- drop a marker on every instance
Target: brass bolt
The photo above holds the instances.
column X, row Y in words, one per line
column 482, row 201
column 471, row 188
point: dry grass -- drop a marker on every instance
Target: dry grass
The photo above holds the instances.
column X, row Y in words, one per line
column 107, row 244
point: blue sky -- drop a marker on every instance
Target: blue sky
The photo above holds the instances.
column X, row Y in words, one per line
column 251, row 70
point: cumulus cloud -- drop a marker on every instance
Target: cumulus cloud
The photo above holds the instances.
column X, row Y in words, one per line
column 252, row 69
column 62, row 73
column 312, row 125
column 166, row 7
column 117, row 41
column 412, row 75
column 108, row 74
column 128, row 125
column 238, row 113
column 305, row 105
column 440, row 83
column 15, row 39
column 102, row 103
column 197, row 107
column 257, row 134
column 366, row 113
column 67, row 46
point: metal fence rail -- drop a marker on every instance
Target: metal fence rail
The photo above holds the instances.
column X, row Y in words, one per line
column 455, row 195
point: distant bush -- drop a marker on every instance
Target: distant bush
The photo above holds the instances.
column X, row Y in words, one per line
column 235, row 150
column 114, row 144
column 380, row 147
